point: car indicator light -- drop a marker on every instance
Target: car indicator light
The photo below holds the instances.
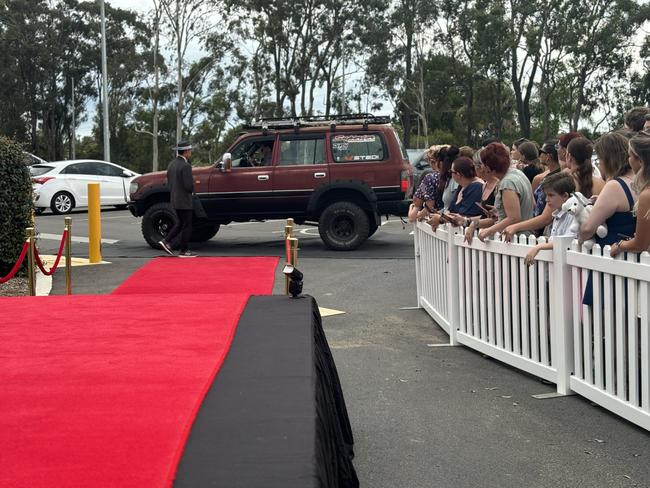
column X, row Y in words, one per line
column 43, row 179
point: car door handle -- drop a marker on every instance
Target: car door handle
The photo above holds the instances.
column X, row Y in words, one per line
column 263, row 177
column 320, row 175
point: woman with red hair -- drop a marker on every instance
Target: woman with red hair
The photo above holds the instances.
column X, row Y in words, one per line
column 514, row 196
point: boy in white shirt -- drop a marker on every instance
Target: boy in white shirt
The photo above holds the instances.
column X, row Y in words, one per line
column 558, row 188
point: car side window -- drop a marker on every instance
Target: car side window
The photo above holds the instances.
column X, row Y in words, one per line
column 109, row 170
column 74, row 169
column 301, row 152
column 253, row 153
column 355, row 148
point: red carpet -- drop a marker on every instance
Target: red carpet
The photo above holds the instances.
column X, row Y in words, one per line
column 203, row 275
column 101, row 391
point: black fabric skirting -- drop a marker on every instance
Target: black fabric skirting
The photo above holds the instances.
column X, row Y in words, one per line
column 275, row 415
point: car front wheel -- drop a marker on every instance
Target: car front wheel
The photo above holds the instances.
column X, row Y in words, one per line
column 62, row 203
column 343, row 226
column 157, row 221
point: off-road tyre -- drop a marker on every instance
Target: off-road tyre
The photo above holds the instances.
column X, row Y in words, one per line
column 62, row 203
column 343, row 226
column 157, row 221
column 373, row 229
column 204, row 232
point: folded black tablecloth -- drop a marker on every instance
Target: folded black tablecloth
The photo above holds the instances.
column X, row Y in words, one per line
column 275, row 415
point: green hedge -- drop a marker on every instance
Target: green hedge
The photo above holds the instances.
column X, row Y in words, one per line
column 16, row 203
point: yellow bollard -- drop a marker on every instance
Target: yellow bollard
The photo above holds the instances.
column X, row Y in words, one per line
column 68, row 257
column 31, row 278
column 94, row 225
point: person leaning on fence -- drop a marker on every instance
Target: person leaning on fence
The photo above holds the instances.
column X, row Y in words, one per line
column 181, row 188
column 425, row 198
column 514, row 198
column 639, row 158
column 558, row 188
column 447, row 185
column 616, row 200
column 578, row 157
column 465, row 198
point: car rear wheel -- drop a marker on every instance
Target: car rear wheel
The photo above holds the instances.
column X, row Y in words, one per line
column 62, row 203
column 343, row 226
column 157, row 221
column 204, row 232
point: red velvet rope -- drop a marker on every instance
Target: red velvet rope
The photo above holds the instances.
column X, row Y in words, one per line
column 16, row 267
column 58, row 257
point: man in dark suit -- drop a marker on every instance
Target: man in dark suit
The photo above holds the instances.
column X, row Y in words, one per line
column 181, row 187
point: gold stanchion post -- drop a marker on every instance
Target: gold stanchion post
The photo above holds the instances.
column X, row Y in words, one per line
column 288, row 232
column 68, row 256
column 30, row 262
column 293, row 249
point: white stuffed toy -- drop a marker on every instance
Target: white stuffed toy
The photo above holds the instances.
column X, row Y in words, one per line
column 580, row 208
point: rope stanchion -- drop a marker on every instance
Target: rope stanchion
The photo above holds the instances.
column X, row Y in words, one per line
column 52, row 270
column 16, row 267
column 31, row 275
column 68, row 256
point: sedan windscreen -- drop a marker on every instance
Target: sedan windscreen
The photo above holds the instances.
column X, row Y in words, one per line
column 39, row 169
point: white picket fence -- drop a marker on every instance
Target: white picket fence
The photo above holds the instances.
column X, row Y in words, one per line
column 486, row 298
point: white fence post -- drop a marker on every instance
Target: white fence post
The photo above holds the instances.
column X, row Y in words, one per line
column 418, row 263
column 453, row 290
column 561, row 314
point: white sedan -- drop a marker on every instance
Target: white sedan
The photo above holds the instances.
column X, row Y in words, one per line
column 63, row 185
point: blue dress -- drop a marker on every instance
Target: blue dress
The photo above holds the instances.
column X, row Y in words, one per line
column 618, row 225
column 471, row 196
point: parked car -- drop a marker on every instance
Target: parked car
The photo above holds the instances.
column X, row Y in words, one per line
column 339, row 174
column 420, row 165
column 31, row 159
column 63, row 185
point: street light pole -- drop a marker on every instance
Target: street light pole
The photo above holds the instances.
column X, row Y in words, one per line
column 74, row 123
column 107, row 142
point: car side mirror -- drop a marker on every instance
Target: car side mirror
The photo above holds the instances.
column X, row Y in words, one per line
column 126, row 174
column 225, row 165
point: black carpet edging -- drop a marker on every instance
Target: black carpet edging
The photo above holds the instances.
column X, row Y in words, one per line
column 275, row 416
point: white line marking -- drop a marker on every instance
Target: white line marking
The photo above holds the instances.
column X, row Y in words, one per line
column 78, row 240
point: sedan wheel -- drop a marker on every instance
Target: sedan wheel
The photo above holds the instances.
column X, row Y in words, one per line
column 62, row 203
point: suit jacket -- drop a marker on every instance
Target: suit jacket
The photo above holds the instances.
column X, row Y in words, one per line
column 181, row 183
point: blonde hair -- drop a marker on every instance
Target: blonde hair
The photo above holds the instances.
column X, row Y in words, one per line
column 640, row 146
column 466, row 151
column 611, row 149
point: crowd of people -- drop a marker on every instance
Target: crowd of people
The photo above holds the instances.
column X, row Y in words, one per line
column 522, row 188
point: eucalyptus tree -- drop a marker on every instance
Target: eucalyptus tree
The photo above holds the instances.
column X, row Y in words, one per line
column 601, row 49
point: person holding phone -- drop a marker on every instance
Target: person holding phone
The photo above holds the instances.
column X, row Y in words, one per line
column 466, row 197
column 514, row 197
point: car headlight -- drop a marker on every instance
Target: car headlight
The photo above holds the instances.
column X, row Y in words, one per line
column 133, row 188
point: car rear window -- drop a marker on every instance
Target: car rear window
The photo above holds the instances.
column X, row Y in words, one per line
column 347, row 148
column 40, row 169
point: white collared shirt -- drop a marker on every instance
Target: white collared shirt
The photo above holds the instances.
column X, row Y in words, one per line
column 562, row 220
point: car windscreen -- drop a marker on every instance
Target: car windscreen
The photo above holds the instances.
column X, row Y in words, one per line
column 40, row 169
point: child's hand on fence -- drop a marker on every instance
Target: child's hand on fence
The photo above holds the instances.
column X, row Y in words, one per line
column 530, row 257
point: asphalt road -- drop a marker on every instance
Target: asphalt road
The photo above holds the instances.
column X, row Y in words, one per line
column 423, row 415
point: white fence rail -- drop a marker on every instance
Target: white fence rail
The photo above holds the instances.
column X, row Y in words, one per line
column 485, row 297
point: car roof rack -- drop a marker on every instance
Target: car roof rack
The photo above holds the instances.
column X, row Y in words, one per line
column 330, row 121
